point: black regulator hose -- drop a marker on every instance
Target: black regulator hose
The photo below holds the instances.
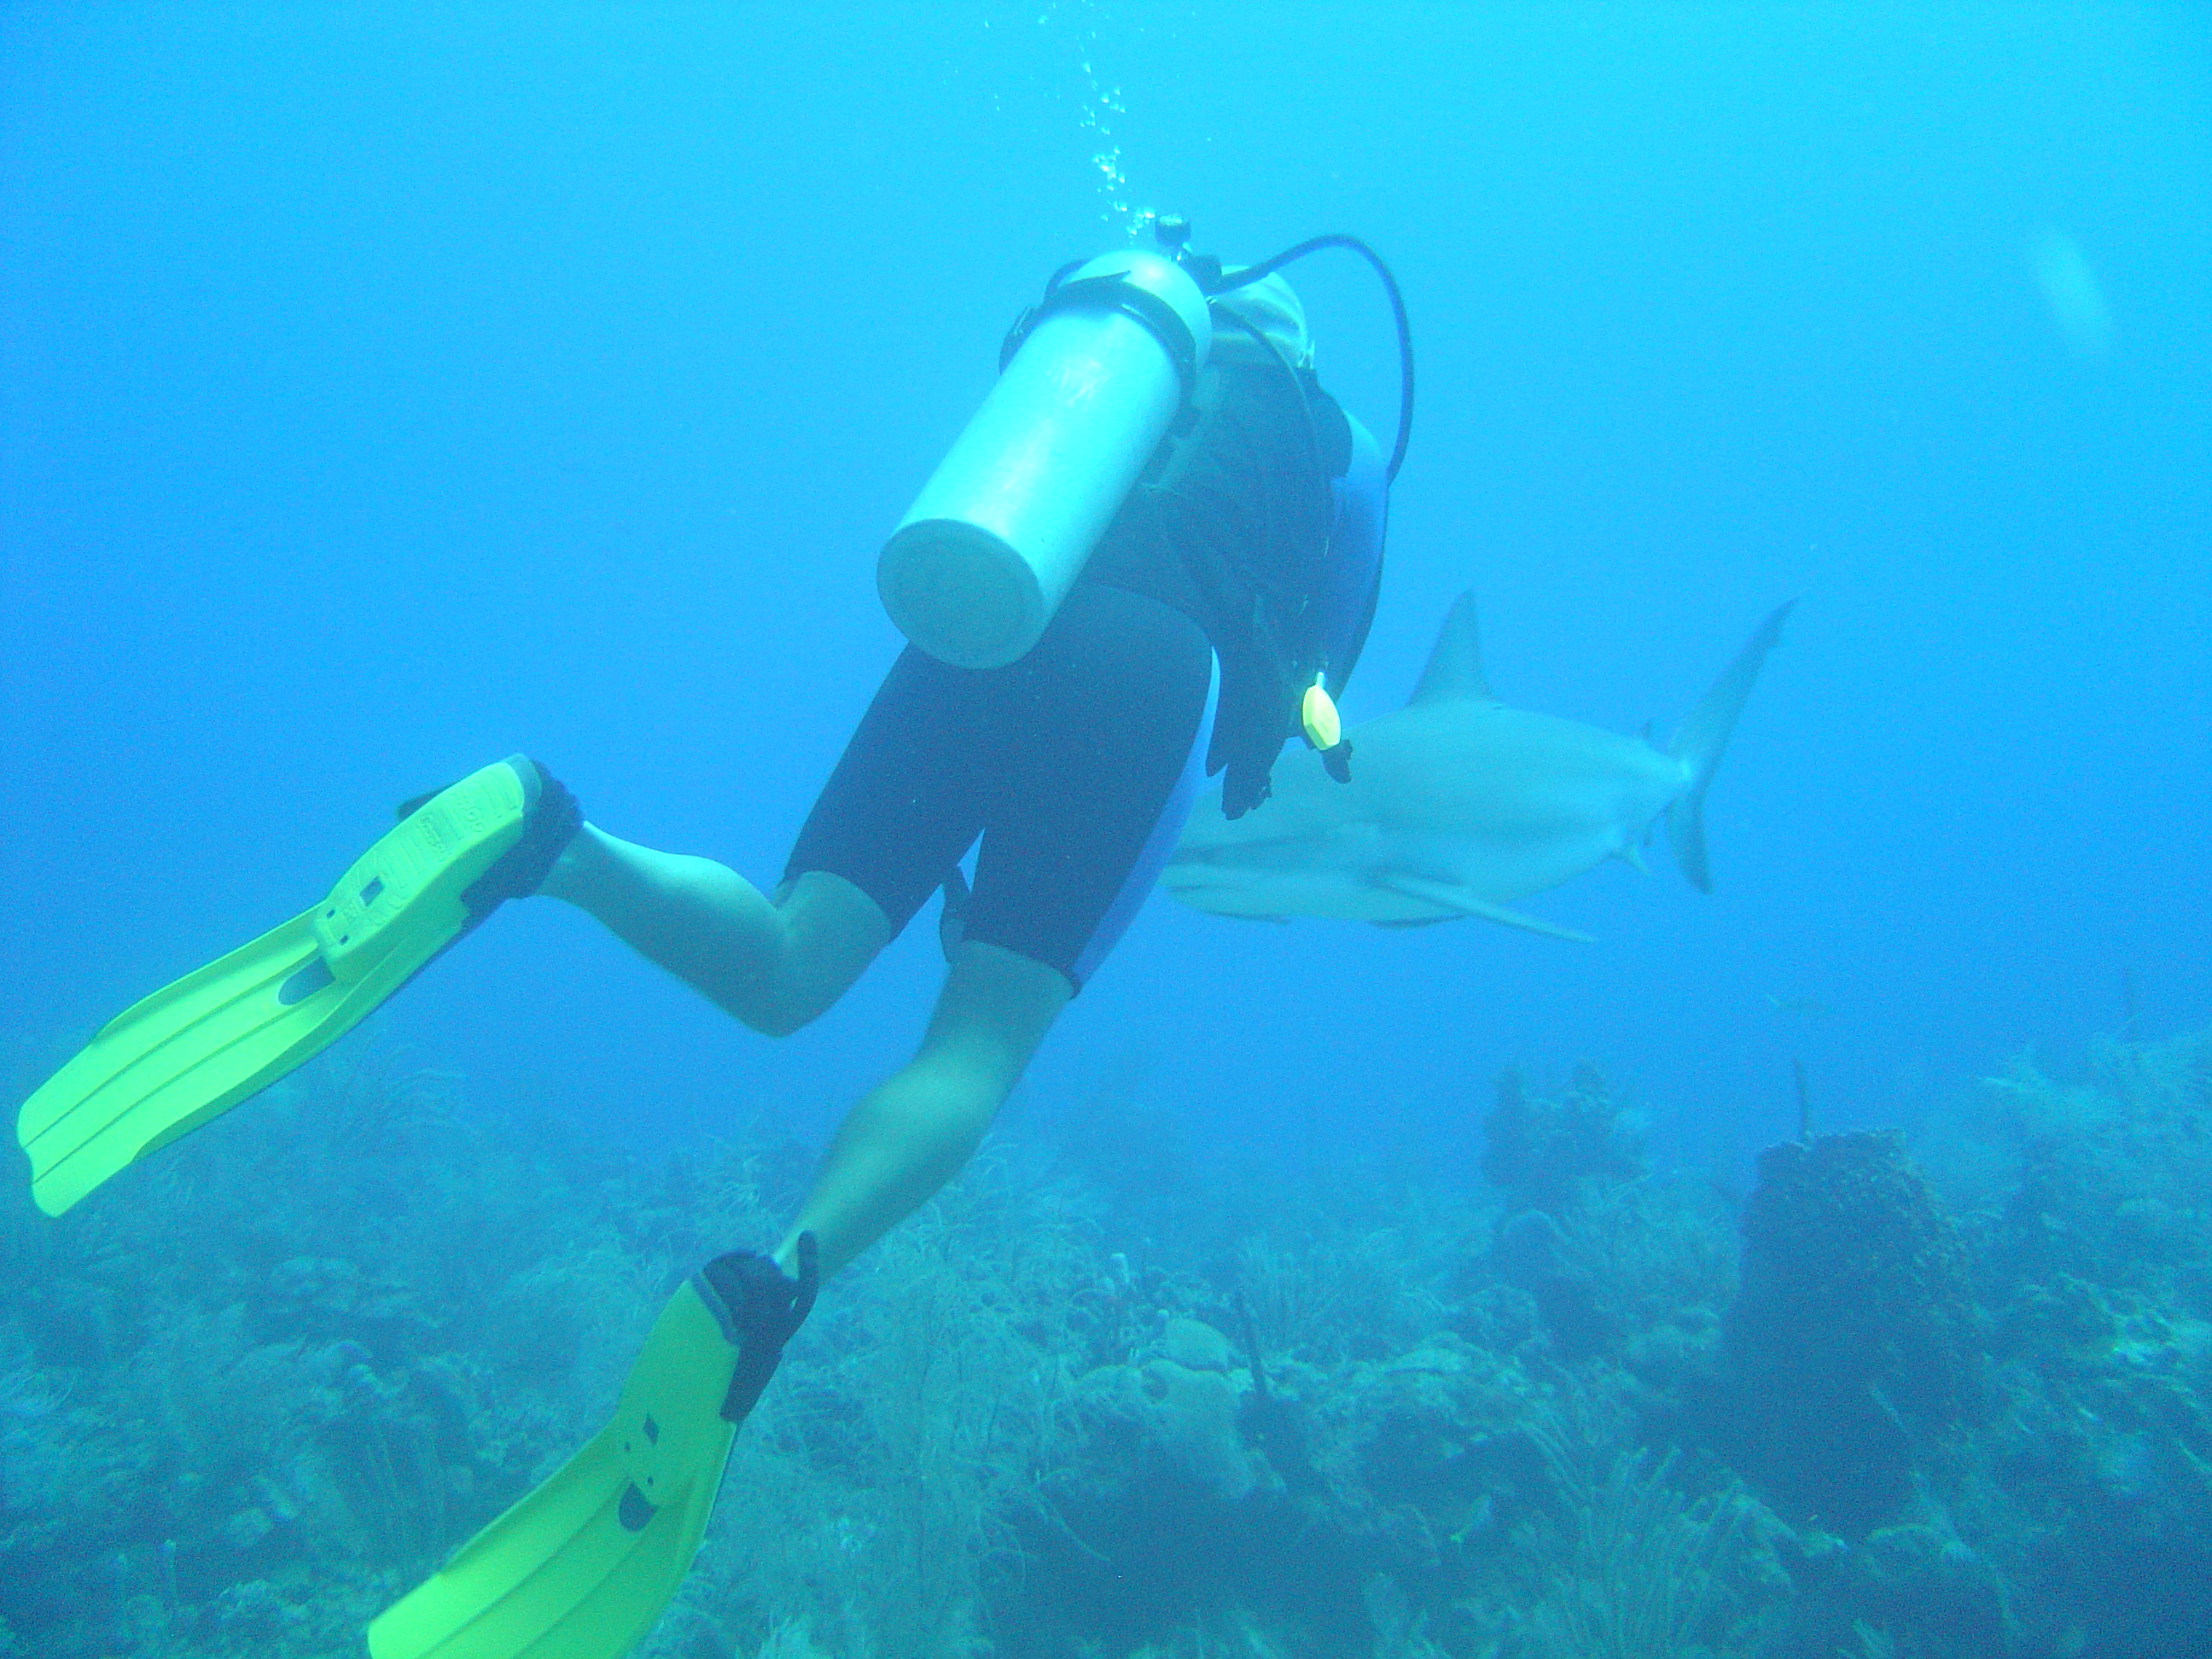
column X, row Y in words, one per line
column 1339, row 239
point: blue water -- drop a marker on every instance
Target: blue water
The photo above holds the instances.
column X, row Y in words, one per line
column 387, row 389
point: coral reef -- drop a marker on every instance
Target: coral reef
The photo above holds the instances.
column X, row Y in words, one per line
column 1850, row 1346
column 1541, row 1149
column 262, row 1384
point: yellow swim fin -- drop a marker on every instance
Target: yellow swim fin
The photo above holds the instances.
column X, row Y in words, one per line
column 194, row 1050
column 582, row 1567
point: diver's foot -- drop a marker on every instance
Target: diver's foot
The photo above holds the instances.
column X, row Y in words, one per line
column 759, row 1306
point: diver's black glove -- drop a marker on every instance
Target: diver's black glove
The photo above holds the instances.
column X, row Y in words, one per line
column 761, row 1307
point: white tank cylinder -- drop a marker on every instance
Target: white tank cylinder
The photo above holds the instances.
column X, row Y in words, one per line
column 1001, row 532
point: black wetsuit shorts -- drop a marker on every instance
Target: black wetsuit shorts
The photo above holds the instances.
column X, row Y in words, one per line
column 1076, row 766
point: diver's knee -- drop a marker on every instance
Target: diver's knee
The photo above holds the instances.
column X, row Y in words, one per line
column 825, row 914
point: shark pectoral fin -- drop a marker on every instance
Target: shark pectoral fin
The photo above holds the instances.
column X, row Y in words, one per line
column 1419, row 921
column 1633, row 856
column 1467, row 903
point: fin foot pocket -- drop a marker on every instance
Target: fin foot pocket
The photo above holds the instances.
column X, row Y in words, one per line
column 552, row 817
column 417, row 875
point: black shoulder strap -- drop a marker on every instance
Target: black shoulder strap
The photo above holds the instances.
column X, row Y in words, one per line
column 1187, row 436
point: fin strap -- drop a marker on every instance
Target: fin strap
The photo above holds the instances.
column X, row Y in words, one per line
column 553, row 818
column 759, row 1308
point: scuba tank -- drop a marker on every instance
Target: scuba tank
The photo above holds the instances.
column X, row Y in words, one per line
column 1091, row 380
column 1096, row 373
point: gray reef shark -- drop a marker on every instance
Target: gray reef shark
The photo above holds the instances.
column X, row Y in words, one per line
column 1458, row 804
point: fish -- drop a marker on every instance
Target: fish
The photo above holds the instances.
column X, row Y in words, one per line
column 1810, row 1007
column 1459, row 805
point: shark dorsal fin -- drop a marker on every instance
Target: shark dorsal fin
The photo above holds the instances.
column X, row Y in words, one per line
column 1455, row 670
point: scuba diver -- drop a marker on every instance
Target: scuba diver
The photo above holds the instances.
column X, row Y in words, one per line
column 1153, row 555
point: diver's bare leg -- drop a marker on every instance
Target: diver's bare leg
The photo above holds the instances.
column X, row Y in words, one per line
column 911, row 1134
column 774, row 963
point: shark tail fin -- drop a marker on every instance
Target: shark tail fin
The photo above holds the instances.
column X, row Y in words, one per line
column 1700, row 740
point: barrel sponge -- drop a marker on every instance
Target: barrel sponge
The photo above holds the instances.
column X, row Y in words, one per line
column 1192, row 1414
column 1851, row 1342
